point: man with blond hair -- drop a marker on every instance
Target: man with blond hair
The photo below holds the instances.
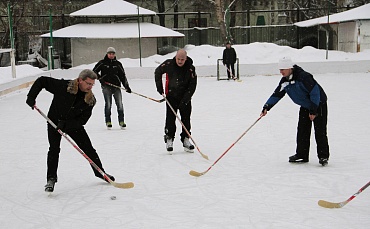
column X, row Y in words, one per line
column 70, row 110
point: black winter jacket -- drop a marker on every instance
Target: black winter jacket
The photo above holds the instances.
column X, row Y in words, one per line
column 112, row 72
column 181, row 82
column 229, row 56
column 69, row 104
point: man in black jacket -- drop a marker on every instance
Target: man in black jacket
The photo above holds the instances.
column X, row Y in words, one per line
column 70, row 110
column 229, row 59
column 111, row 76
column 181, row 82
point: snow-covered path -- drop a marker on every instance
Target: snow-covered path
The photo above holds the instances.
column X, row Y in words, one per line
column 253, row 186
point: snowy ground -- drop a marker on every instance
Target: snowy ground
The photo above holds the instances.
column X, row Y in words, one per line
column 252, row 186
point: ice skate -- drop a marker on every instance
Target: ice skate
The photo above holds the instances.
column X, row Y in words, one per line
column 188, row 147
column 169, row 144
column 49, row 187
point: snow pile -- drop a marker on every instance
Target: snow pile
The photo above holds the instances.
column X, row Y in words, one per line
column 21, row 72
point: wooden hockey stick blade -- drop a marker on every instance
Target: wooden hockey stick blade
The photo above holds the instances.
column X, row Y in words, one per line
column 327, row 204
column 196, row 174
column 122, row 185
column 204, row 156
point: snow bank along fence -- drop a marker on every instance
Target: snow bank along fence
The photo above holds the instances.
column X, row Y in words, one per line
column 361, row 66
column 22, row 83
column 4, row 91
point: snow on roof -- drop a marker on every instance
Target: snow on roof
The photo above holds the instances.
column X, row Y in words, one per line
column 115, row 30
column 5, row 50
column 359, row 13
column 112, row 8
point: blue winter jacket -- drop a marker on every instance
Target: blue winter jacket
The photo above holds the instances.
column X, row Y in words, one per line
column 302, row 88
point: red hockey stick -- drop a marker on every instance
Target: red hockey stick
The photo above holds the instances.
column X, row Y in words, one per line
column 117, row 185
column 198, row 174
column 327, row 204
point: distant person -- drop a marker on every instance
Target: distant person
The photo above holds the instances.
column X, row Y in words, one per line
column 303, row 89
column 229, row 60
column 111, row 76
column 181, row 82
column 70, row 110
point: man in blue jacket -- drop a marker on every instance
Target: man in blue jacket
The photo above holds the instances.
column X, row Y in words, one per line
column 303, row 89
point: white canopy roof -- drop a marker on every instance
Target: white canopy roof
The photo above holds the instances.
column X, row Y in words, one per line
column 5, row 50
column 112, row 8
column 359, row 13
column 116, row 30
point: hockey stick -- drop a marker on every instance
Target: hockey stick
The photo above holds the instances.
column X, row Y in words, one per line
column 327, row 204
column 117, row 185
column 198, row 174
column 155, row 100
column 183, row 126
column 233, row 77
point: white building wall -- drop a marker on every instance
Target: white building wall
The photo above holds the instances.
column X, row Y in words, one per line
column 347, row 37
column 364, row 26
column 87, row 51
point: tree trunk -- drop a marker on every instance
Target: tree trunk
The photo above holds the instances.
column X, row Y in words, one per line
column 161, row 9
column 219, row 9
column 232, row 21
column 233, row 16
column 176, row 16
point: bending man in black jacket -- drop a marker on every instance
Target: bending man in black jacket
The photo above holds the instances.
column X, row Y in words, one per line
column 70, row 110
column 112, row 73
column 181, row 82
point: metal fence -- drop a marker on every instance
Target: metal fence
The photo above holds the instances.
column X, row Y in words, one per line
column 288, row 35
column 198, row 27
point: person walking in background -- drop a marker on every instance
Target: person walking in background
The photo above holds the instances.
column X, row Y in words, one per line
column 181, row 82
column 111, row 76
column 70, row 109
column 303, row 89
column 229, row 60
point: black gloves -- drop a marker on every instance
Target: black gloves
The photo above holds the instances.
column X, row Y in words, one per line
column 61, row 125
column 128, row 89
column 313, row 113
column 31, row 102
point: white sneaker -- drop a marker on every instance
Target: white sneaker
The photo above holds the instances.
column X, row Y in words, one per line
column 188, row 147
column 169, row 144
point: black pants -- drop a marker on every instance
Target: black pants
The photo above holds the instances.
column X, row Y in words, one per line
column 81, row 139
column 232, row 70
column 170, row 128
column 304, row 132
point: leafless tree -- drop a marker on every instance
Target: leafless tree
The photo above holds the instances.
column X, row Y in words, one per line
column 161, row 9
column 18, row 8
column 218, row 8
